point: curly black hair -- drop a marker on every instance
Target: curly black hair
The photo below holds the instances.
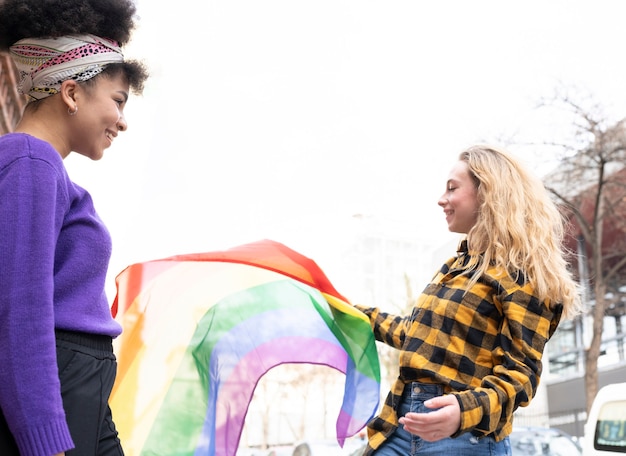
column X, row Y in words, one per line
column 112, row 19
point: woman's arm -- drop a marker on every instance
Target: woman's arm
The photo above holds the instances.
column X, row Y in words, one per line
column 527, row 325
column 30, row 394
column 387, row 328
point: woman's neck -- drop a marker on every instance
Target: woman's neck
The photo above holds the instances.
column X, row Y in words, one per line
column 42, row 126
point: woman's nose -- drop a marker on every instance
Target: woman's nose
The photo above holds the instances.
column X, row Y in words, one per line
column 121, row 123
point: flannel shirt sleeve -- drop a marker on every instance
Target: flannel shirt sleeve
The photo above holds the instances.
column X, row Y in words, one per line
column 527, row 325
column 387, row 328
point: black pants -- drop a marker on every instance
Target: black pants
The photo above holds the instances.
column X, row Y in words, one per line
column 87, row 369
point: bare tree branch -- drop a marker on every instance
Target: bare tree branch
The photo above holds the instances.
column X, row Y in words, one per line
column 590, row 185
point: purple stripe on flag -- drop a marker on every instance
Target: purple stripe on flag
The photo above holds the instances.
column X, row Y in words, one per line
column 263, row 328
column 236, row 392
column 354, row 413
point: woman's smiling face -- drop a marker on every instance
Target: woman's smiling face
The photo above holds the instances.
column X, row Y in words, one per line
column 460, row 200
column 100, row 116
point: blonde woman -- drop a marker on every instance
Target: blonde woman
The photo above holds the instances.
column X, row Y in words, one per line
column 470, row 352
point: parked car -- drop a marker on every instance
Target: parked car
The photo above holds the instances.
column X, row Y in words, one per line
column 326, row 448
column 539, row 441
column 605, row 430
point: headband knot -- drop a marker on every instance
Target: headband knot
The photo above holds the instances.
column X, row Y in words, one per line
column 44, row 63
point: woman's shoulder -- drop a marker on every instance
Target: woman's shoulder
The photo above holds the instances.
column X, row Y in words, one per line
column 15, row 146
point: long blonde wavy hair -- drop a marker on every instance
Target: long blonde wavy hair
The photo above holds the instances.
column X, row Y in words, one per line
column 519, row 228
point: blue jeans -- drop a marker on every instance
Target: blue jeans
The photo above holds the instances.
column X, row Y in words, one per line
column 402, row 443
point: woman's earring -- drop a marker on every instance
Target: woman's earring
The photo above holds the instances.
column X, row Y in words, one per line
column 72, row 112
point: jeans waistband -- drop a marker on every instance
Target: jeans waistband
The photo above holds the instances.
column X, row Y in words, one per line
column 414, row 389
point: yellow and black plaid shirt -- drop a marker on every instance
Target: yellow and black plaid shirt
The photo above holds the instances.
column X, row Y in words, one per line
column 484, row 346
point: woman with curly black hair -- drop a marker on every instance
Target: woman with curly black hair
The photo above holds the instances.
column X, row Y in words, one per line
column 56, row 328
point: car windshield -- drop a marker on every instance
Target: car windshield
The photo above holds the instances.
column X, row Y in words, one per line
column 609, row 434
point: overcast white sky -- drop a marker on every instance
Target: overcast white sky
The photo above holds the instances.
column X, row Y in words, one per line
column 282, row 118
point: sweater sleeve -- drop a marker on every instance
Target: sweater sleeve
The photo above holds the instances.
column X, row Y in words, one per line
column 34, row 199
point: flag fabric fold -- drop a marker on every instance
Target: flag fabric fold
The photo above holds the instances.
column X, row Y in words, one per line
column 200, row 330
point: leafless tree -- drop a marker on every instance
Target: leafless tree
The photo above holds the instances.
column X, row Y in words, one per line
column 590, row 185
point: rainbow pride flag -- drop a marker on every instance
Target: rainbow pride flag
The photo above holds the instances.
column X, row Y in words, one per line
column 200, row 330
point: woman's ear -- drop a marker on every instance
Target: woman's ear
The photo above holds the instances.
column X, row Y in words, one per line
column 69, row 94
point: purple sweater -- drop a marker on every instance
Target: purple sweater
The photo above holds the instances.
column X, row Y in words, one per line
column 54, row 254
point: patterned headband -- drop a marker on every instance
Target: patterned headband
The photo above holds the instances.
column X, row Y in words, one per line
column 44, row 63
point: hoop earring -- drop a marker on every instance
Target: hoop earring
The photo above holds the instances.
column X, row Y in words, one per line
column 72, row 112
